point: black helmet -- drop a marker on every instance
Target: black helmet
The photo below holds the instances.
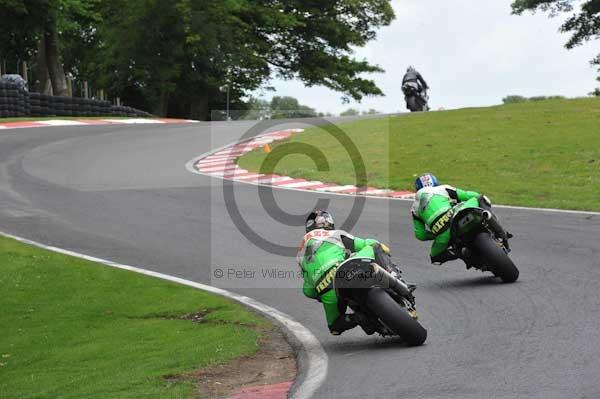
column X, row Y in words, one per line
column 319, row 220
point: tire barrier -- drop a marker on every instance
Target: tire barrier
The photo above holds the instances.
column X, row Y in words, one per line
column 17, row 102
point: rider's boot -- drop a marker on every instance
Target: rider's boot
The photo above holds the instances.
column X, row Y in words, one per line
column 467, row 256
column 364, row 323
column 343, row 323
column 443, row 258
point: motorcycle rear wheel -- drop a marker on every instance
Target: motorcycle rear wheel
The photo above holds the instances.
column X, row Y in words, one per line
column 412, row 104
column 396, row 317
column 498, row 261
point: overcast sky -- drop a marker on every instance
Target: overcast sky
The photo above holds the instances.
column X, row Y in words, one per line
column 471, row 52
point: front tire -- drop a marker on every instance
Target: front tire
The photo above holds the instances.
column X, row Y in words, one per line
column 496, row 258
column 396, row 317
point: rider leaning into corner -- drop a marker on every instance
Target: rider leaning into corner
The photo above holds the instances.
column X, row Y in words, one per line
column 432, row 202
column 323, row 249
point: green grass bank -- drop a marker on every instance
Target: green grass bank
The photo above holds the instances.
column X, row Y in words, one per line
column 75, row 329
column 541, row 154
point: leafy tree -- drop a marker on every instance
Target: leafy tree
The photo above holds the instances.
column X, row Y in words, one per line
column 544, row 98
column 289, row 107
column 187, row 49
column 513, row 99
column 520, row 99
column 19, row 28
column 350, row 112
column 173, row 56
column 258, row 108
column 371, row 112
column 584, row 24
column 35, row 28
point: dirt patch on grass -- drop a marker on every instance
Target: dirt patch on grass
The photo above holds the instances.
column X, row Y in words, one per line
column 196, row 317
column 273, row 363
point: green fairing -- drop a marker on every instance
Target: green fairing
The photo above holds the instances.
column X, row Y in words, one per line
column 316, row 265
column 429, row 206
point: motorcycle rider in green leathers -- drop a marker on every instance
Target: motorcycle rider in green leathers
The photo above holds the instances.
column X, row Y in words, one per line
column 321, row 251
column 431, row 215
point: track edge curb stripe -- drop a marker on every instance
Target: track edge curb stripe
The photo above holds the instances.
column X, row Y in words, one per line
column 191, row 167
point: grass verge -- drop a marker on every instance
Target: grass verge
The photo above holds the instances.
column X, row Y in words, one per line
column 71, row 329
column 543, row 154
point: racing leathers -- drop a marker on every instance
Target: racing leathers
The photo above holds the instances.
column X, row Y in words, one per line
column 321, row 252
column 412, row 75
column 429, row 212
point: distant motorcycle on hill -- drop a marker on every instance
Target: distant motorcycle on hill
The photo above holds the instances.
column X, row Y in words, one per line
column 416, row 98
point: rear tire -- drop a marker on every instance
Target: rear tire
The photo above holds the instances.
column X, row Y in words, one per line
column 412, row 104
column 396, row 317
column 499, row 262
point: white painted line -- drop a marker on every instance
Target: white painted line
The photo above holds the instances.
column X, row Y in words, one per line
column 135, row 121
column 61, row 122
column 271, row 180
column 2, row 127
column 216, row 163
column 550, row 210
column 228, row 151
column 237, row 172
column 376, row 192
column 334, row 189
column 317, row 361
column 302, row 184
column 254, row 176
column 216, row 174
column 410, row 196
column 218, row 168
column 263, row 141
column 217, row 159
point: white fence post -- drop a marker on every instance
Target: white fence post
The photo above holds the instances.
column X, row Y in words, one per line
column 25, row 71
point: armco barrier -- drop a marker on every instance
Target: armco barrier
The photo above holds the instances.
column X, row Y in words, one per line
column 15, row 102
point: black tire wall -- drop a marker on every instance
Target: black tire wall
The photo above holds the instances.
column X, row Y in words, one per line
column 15, row 102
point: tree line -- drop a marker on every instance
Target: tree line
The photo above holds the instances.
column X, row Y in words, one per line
column 180, row 57
column 175, row 57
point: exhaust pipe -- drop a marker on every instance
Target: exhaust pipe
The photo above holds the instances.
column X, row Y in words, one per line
column 387, row 280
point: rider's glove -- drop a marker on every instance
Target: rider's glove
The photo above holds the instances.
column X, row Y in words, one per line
column 385, row 248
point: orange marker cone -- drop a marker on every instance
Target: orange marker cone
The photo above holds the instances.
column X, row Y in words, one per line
column 267, row 149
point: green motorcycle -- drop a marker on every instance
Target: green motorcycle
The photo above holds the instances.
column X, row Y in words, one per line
column 478, row 239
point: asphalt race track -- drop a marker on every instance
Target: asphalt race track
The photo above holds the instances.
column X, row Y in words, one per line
column 123, row 193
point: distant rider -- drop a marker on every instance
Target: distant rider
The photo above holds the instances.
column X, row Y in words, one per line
column 323, row 249
column 432, row 202
column 413, row 76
